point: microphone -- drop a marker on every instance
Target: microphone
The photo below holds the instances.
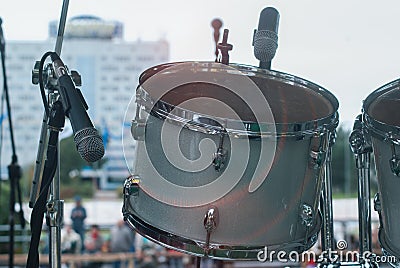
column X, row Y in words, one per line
column 2, row 41
column 88, row 142
column 216, row 24
column 265, row 39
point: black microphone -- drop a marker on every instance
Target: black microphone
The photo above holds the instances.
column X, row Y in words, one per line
column 216, row 24
column 2, row 41
column 265, row 39
column 87, row 140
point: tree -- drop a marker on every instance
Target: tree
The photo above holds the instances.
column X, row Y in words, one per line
column 344, row 171
column 71, row 160
column 344, row 176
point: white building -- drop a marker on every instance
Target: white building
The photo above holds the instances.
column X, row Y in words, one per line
column 109, row 67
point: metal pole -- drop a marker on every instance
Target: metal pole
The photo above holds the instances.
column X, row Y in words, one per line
column 328, row 241
column 364, row 201
column 61, row 27
column 361, row 145
column 55, row 211
column 55, row 206
column 347, row 175
column 14, row 170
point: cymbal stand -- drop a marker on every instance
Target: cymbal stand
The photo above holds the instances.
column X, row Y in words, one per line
column 14, row 169
column 362, row 148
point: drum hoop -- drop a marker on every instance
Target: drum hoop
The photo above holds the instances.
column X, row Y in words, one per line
column 380, row 129
column 217, row 251
column 237, row 128
column 283, row 130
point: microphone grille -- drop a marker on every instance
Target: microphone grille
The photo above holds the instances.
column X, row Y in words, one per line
column 89, row 144
column 265, row 44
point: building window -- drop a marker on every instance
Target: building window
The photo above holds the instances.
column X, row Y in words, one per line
column 109, row 68
column 145, row 58
column 109, row 108
column 133, row 68
column 122, row 58
column 27, row 58
column 15, row 67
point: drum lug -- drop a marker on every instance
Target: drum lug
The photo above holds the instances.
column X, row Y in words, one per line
column 211, row 219
column 306, row 215
column 317, row 158
column 377, row 203
column 219, row 159
column 138, row 129
column 394, row 162
column 378, row 208
column 332, row 138
column 220, row 156
column 317, row 150
column 395, row 165
column 210, row 222
column 131, row 186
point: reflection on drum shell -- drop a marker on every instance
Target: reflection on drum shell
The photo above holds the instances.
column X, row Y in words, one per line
column 268, row 216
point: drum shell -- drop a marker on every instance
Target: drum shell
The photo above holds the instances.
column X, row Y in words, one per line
column 268, row 216
column 383, row 127
column 274, row 214
column 388, row 186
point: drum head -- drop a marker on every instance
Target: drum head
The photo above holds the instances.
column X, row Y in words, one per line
column 386, row 106
column 291, row 100
column 287, row 101
column 382, row 107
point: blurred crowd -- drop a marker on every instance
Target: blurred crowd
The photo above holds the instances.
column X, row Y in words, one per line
column 76, row 239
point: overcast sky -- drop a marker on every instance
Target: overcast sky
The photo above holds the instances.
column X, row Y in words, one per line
column 349, row 47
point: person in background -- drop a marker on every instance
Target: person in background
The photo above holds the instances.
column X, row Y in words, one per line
column 175, row 259
column 78, row 216
column 94, row 241
column 94, row 244
column 70, row 240
column 122, row 239
column 148, row 253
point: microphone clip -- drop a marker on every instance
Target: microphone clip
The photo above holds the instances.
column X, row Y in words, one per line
column 49, row 77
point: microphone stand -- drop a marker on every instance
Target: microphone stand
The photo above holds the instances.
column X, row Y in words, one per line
column 14, row 170
column 54, row 121
column 55, row 206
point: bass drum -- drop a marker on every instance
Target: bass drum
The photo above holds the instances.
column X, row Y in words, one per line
column 381, row 117
column 229, row 160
